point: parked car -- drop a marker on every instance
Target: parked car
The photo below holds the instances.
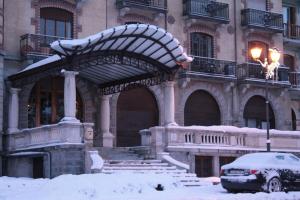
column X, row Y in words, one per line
column 269, row 172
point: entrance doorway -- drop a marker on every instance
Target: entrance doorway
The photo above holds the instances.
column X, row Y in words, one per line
column 136, row 110
column 38, row 167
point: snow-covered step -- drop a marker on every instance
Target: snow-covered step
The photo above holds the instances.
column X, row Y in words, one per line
column 136, row 165
column 133, row 161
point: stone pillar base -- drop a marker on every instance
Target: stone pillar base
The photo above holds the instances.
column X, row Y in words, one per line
column 69, row 119
column 12, row 130
column 108, row 140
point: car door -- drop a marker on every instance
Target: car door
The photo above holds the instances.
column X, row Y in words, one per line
column 294, row 164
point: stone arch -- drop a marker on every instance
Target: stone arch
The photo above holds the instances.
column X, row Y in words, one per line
column 274, row 103
column 212, row 89
column 157, row 93
column 255, row 113
column 204, row 116
column 154, row 91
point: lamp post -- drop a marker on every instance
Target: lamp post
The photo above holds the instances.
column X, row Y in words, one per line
column 269, row 69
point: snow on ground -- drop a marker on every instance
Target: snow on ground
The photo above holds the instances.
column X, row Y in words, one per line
column 121, row 186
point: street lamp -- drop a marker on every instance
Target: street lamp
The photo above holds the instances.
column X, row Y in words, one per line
column 269, row 69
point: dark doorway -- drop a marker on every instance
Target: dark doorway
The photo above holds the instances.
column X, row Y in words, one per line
column 255, row 113
column 226, row 160
column 203, row 166
column 294, row 121
column 201, row 109
column 136, row 110
column 38, row 167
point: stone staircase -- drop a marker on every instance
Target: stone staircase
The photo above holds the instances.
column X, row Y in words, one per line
column 154, row 166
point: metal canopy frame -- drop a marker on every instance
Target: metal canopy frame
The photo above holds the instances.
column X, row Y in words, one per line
column 115, row 61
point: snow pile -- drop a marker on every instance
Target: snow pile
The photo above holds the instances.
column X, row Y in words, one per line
column 120, row 186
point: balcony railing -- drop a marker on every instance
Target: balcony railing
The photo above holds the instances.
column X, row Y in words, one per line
column 262, row 19
column 294, row 78
column 159, row 5
column 292, row 31
column 206, row 9
column 213, row 66
column 36, row 46
column 255, row 71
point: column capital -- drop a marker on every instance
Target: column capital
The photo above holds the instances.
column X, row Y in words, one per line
column 69, row 73
column 169, row 83
column 14, row 90
column 105, row 97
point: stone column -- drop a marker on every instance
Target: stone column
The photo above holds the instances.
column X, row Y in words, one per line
column 216, row 166
column 69, row 96
column 13, row 112
column 169, row 104
column 105, row 122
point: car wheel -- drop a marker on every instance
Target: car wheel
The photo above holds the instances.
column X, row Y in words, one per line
column 274, row 185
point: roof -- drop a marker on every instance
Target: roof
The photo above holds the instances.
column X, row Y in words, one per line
column 123, row 54
column 148, row 40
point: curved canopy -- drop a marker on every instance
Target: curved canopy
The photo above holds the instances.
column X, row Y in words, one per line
column 141, row 39
column 121, row 55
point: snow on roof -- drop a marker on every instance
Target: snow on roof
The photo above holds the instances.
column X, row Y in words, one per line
column 42, row 62
column 148, row 40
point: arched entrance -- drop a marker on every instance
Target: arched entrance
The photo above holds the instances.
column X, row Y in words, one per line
column 201, row 109
column 136, row 110
column 255, row 113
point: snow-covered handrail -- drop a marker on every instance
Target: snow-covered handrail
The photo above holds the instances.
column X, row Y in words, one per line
column 166, row 156
column 97, row 161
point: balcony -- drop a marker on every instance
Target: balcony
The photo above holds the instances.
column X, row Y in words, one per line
column 150, row 7
column 294, row 78
column 291, row 35
column 47, row 135
column 266, row 21
column 206, row 10
column 222, row 138
column 36, row 47
column 211, row 68
column 252, row 72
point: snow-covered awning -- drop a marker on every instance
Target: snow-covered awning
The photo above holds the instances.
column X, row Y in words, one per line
column 119, row 55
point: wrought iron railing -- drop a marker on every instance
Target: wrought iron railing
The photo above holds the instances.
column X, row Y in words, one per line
column 160, row 5
column 262, row 19
column 256, row 71
column 294, row 78
column 206, row 9
column 213, row 66
column 37, row 45
column 291, row 31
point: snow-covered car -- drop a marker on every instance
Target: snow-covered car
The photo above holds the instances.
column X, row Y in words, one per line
column 269, row 172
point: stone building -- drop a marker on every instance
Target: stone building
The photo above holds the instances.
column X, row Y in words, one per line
column 131, row 98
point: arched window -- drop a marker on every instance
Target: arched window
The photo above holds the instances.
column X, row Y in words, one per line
column 56, row 22
column 263, row 46
column 46, row 102
column 202, row 45
column 201, row 109
column 289, row 62
column 255, row 113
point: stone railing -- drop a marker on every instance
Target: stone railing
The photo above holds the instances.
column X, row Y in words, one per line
column 64, row 132
column 221, row 137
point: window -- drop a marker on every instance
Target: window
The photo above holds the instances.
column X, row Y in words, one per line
column 46, row 103
column 288, row 61
column 202, row 45
column 56, row 22
column 289, row 15
column 263, row 46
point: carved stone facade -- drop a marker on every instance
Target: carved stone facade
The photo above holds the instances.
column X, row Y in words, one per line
column 230, row 43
